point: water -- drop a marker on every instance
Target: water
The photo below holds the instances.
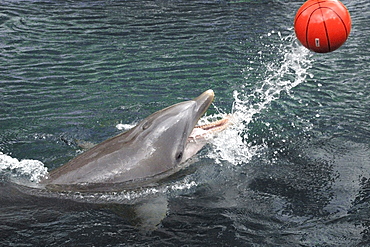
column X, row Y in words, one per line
column 293, row 170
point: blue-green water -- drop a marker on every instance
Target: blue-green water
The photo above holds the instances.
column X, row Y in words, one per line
column 294, row 170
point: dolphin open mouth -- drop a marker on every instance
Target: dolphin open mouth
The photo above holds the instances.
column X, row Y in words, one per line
column 206, row 131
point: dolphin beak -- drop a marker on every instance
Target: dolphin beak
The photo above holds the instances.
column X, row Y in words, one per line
column 204, row 132
column 204, row 101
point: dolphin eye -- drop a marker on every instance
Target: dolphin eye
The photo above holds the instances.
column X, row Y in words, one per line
column 179, row 156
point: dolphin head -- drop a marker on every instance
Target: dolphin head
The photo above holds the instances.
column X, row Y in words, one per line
column 166, row 132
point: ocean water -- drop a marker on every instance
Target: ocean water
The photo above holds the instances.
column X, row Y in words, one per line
column 293, row 169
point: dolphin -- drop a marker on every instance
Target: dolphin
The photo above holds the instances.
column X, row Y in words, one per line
column 155, row 148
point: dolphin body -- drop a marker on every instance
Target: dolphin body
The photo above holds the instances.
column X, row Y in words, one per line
column 154, row 149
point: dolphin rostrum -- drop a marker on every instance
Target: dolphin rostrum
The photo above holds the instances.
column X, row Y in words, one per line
column 154, row 149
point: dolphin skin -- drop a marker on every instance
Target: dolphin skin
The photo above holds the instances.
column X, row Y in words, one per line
column 152, row 150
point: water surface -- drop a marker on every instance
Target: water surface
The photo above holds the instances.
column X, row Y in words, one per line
column 292, row 171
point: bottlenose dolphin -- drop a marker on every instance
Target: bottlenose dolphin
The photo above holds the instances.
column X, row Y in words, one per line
column 154, row 149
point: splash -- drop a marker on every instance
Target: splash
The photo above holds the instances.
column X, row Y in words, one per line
column 289, row 69
column 120, row 197
column 26, row 170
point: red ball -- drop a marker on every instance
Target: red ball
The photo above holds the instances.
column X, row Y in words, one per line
column 322, row 25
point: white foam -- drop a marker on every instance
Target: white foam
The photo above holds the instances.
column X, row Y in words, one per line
column 32, row 170
column 122, row 126
column 280, row 76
